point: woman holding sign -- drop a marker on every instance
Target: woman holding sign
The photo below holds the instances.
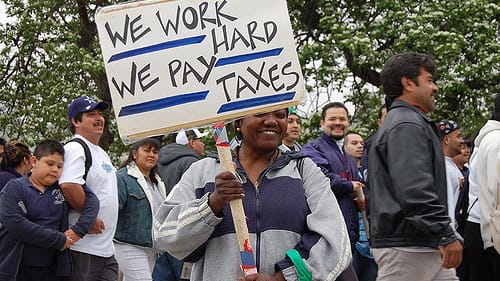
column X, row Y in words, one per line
column 295, row 225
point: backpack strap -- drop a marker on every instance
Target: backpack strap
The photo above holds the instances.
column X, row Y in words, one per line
column 88, row 156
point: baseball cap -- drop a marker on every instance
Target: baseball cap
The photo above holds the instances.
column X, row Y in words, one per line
column 84, row 104
column 468, row 142
column 447, row 126
column 184, row 136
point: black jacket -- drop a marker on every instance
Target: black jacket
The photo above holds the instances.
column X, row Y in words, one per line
column 407, row 178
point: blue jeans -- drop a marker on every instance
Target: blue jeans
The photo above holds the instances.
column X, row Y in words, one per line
column 365, row 268
column 167, row 268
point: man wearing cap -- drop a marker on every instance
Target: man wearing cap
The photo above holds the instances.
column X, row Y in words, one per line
column 410, row 231
column 293, row 132
column 93, row 255
column 174, row 160
column 451, row 140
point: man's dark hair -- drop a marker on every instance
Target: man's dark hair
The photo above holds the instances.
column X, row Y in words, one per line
column 352, row 133
column 78, row 118
column 48, row 147
column 406, row 64
column 332, row 105
column 150, row 143
column 496, row 111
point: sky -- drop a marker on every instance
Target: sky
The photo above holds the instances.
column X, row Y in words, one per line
column 3, row 16
column 2, row 12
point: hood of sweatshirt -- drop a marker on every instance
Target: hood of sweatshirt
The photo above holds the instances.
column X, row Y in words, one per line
column 491, row 125
column 174, row 151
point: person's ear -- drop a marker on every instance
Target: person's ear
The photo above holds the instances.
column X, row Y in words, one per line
column 32, row 160
column 191, row 142
column 407, row 83
column 446, row 140
column 74, row 122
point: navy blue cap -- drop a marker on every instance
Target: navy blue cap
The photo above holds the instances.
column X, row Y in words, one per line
column 84, row 104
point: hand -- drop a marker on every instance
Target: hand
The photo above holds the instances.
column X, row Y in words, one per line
column 227, row 188
column 361, row 204
column 263, row 277
column 452, row 254
column 68, row 243
column 70, row 234
column 357, row 185
column 97, row 227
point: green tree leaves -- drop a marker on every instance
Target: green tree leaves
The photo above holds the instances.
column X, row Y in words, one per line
column 50, row 54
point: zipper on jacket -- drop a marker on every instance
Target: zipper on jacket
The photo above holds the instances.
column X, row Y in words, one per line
column 257, row 225
column 257, row 217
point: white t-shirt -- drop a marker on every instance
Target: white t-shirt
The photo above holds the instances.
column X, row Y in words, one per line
column 101, row 178
column 454, row 180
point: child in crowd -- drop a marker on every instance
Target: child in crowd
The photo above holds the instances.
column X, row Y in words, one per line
column 34, row 234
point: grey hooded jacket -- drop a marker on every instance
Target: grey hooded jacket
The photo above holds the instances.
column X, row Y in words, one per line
column 174, row 160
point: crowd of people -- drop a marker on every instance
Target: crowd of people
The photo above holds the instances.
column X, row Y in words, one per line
column 412, row 201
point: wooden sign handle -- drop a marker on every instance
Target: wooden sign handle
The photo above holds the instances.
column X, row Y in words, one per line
column 239, row 219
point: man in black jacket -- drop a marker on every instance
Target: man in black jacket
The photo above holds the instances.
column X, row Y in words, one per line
column 410, row 228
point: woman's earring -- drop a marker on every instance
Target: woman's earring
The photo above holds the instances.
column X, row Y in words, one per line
column 238, row 129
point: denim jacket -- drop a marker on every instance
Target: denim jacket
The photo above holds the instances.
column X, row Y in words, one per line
column 135, row 216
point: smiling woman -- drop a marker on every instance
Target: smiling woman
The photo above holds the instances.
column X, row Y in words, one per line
column 140, row 193
column 293, row 218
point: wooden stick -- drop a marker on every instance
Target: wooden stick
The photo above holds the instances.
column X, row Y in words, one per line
column 361, row 196
column 239, row 219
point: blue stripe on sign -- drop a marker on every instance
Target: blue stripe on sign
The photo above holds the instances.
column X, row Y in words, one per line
column 158, row 47
column 248, row 57
column 256, row 102
column 162, row 103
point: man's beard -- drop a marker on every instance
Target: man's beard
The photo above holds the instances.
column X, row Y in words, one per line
column 336, row 138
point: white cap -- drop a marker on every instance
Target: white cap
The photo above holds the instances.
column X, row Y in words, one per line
column 183, row 136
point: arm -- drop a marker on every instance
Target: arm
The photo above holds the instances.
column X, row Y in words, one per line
column 13, row 215
column 122, row 189
column 74, row 194
column 88, row 214
column 183, row 223
column 71, row 180
column 488, row 177
column 325, row 247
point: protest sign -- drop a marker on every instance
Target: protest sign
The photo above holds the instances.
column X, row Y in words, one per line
column 179, row 64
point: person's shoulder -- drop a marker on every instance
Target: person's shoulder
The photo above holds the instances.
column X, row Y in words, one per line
column 403, row 116
column 122, row 171
column 16, row 184
column 205, row 163
column 72, row 146
column 312, row 144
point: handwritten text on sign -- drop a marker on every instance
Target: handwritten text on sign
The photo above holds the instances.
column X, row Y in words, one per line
column 173, row 64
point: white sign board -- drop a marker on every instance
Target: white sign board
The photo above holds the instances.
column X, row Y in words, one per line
column 176, row 64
